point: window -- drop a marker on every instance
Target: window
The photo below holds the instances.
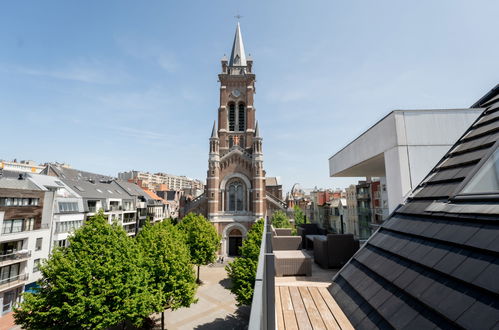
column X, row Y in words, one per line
column 38, row 246
column 11, row 201
column 61, row 243
column 36, row 265
column 486, row 180
column 9, row 273
column 241, row 117
column 68, row 207
column 236, row 196
column 232, row 117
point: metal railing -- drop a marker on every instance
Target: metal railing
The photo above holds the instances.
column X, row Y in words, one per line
column 263, row 304
column 14, row 279
column 16, row 255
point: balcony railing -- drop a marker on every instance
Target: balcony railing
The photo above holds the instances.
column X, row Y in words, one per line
column 263, row 304
column 92, row 209
column 6, row 282
column 21, row 254
column 8, row 232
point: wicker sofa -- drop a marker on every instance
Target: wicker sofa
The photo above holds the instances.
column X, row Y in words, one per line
column 283, row 240
column 334, row 250
column 309, row 229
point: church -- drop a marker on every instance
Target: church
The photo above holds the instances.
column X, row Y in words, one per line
column 237, row 191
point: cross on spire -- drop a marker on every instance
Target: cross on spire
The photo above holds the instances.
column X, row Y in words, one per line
column 238, row 17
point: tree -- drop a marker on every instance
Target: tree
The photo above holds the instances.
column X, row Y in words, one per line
column 242, row 271
column 201, row 238
column 94, row 283
column 299, row 215
column 167, row 258
column 280, row 220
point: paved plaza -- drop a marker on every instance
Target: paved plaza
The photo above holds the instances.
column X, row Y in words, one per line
column 215, row 309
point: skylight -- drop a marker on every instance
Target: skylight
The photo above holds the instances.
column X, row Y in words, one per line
column 486, row 180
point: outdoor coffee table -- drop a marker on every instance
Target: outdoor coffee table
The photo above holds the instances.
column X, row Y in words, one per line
column 292, row 262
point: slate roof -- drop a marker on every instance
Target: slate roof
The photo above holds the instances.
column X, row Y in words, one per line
column 89, row 185
column 133, row 189
column 435, row 262
column 10, row 180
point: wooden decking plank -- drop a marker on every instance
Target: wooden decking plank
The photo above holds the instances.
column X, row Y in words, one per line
column 312, row 311
column 324, row 311
column 288, row 309
column 278, row 309
column 335, row 309
column 300, row 312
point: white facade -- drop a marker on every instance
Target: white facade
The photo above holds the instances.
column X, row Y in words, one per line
column 28, row 166
column 402, row 147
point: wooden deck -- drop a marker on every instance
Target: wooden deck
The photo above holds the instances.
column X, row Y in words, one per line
column 305, row 302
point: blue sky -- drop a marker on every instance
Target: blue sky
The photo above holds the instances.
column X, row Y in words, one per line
column 108, row 86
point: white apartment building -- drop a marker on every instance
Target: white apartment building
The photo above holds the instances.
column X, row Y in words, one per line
column 24, row 237
column 27, row 166
column 152, row 181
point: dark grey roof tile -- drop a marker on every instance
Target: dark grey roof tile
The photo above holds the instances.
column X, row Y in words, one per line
column 488, row 278
column 472, row 266
column 452, row 260
column 484, row 237
column 419, row 285
column 481, row 315
column 455, row 304
column 407, row 276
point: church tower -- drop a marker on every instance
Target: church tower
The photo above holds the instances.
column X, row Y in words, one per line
column 235, row 178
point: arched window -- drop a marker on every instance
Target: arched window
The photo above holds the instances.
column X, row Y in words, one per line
column 241, row 117
column 236, row 196
column 231, row 141
column 232, row 117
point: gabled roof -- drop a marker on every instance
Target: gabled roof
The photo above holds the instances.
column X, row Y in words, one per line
column 12, row 180
column 132, row 189
column 88, row 185
column 237, row 55
column 435, row 262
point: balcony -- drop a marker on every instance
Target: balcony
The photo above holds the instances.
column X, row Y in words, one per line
column 18, row 255
column 9, row 232
column 292, row 302
column 362, row 196
column 92, row 209
column 13, row 281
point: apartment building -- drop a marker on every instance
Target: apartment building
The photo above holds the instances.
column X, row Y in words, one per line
column 25, row 235
column 66, row 211
column 153, row 181
column 27, row 166
column 99, row 192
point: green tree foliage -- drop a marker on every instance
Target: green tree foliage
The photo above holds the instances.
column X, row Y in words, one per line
column 299, row 215
column 242, row 271
column 280, row 220
column 95, row 283
column 201, row 238
column 167, row 257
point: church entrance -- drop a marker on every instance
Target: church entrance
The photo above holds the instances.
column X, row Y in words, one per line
column 235, row 241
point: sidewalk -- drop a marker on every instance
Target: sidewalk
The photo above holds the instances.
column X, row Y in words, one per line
column 215, row 309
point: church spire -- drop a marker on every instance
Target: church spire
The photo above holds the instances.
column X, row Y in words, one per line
column 237, row 56
column 257, row 131
column 214, row 133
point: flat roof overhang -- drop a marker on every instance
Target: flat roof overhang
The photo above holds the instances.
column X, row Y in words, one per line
column 372, row 167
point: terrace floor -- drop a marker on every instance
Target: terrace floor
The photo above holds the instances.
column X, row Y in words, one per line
column 305, row 302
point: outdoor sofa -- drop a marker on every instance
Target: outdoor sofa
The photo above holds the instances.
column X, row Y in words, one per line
column 334, row 250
